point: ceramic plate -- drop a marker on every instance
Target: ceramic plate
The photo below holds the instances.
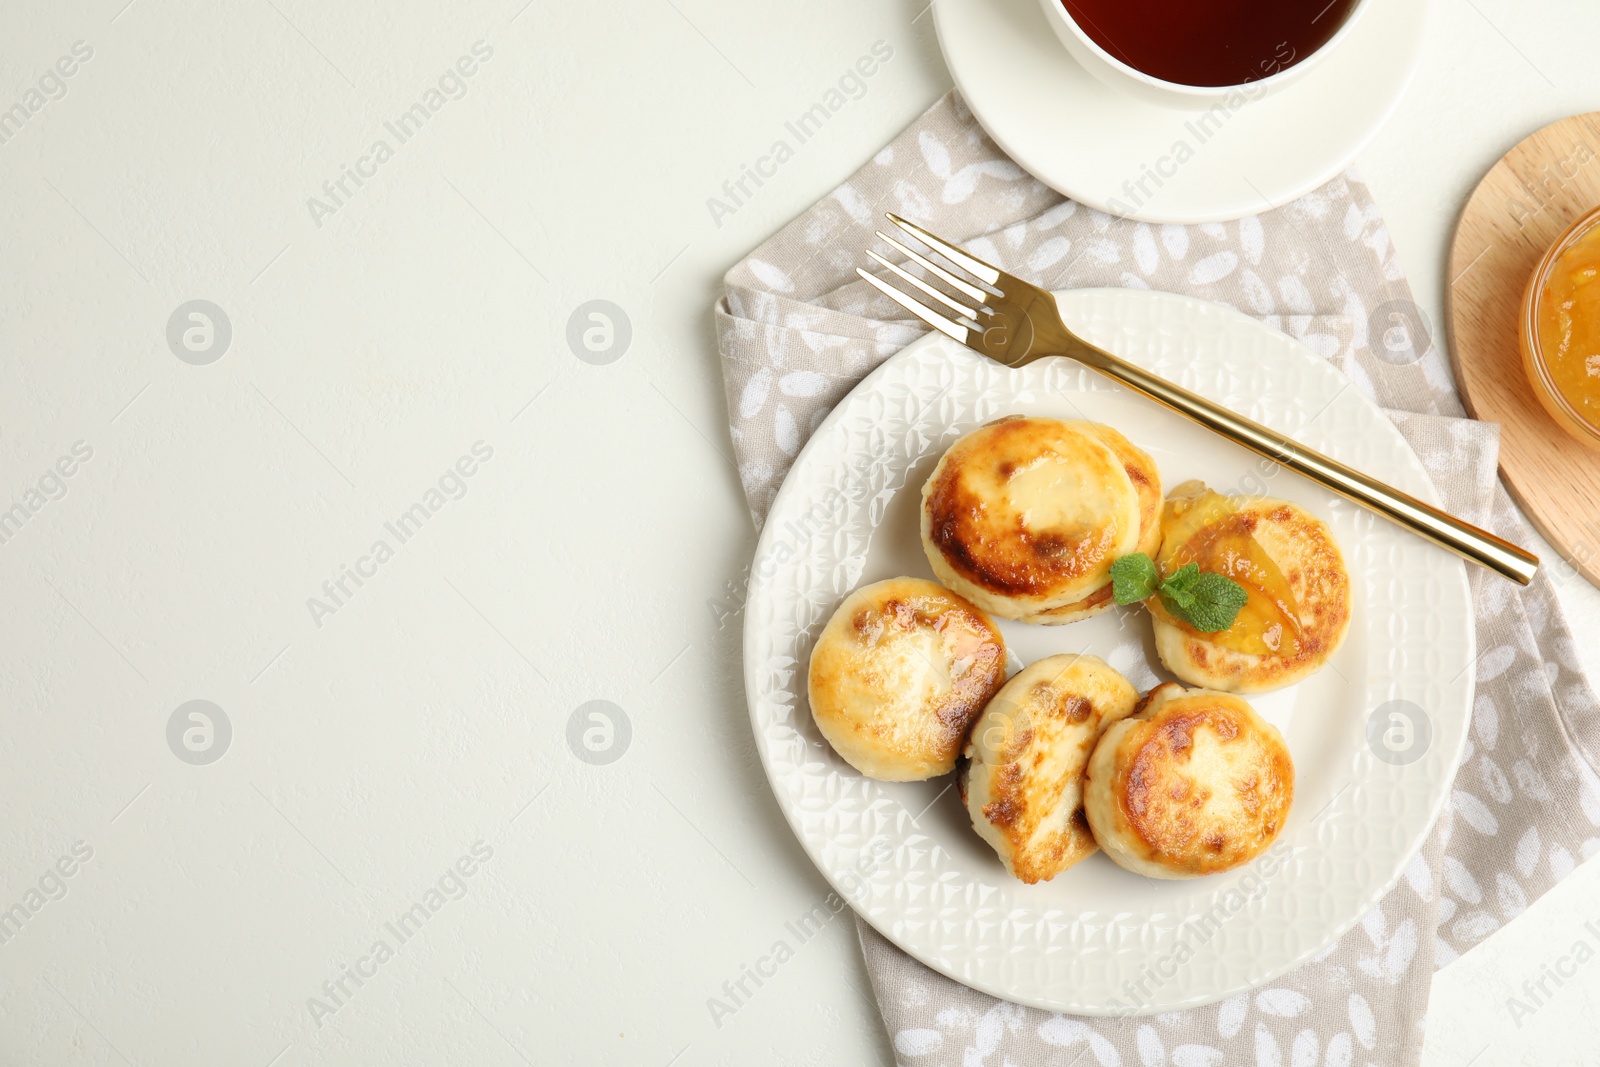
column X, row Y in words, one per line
column 1097, row 144
column 1099, row 940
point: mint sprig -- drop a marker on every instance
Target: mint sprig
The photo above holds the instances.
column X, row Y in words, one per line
column 1133, row 578
column 1206, row 600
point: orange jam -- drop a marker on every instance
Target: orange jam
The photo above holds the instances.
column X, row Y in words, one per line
column 1205, row 529
column 1561, row 331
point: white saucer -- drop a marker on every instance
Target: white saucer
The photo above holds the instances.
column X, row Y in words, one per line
column 1094, row 143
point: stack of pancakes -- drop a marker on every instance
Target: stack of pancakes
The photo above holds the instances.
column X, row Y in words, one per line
column 1024, row 517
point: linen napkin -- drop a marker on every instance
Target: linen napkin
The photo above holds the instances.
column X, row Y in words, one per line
column 797, row 330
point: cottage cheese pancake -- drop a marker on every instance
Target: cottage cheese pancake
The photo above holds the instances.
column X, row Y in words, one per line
column 1025, row 515
column 1146, row 479
column 1299, row 605
column 1023, row 782
column 1193, row 783
column 899, row 673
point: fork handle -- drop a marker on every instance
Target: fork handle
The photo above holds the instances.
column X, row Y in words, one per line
column 1462, row 538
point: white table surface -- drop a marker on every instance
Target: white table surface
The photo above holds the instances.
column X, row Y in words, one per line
column 427, row 711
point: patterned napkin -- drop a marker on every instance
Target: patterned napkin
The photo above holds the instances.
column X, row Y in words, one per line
column 797, row 330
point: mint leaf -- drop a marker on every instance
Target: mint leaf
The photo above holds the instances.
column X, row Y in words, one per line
column 1206, row 600
column 1209, row 602
column 1133, row 578
column 1218, row 600
column 1177, row 591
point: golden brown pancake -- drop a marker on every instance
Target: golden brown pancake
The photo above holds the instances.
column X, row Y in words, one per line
column 899, row 673
column 1023, row 780
column 1025, row 515
column 1146, row 479
column 1299, row 604
column 1193, row 783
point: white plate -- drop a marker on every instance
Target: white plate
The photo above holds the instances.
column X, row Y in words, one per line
column 1086, row 139
column 905, row 856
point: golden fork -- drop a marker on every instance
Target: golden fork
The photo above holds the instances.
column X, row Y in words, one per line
column 1012, row 322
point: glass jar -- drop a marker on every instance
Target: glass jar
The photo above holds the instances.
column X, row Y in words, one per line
column 1560, row 334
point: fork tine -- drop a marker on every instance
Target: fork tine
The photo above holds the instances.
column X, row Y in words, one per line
column 953, row 330
column 967, row 288
column 972, row 265
column 907, row 276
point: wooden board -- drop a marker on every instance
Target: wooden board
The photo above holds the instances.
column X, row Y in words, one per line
column 1522, row 205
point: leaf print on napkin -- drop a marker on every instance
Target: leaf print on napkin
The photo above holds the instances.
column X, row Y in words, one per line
column 802, row 383
column 1474, row 812
column 1252, row 238
column 1295, row 295
column 1197, row 1056
column 918, row 1042
column 1152, row 1053
column 1256, row 292
column 1101, row 251
column 1530, row 782
column 851, row 200
column 1493, row 663
column 1145, row 255
column 913, row 203
column 754, row 396
column 1509, row 896
column 1420, row 877
column 1231, row 1013
column 1459, row 881
column 960, row 185
column 1055, row 216
column 1268, row 1054
column 1589, row 799
column 1304, row 1052
column 771, row 276
column 1063, row 1032
column 1362, row 1022
column 1214, row 268
column 1395, row 950
column 1285, row 1003
column 993, row 1026
column 1175, row 239
column 1561, row 862
column 1049, row 254
column 1486, row 720
column 784, row 430
column 1474, row 927
column 1494, row 780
